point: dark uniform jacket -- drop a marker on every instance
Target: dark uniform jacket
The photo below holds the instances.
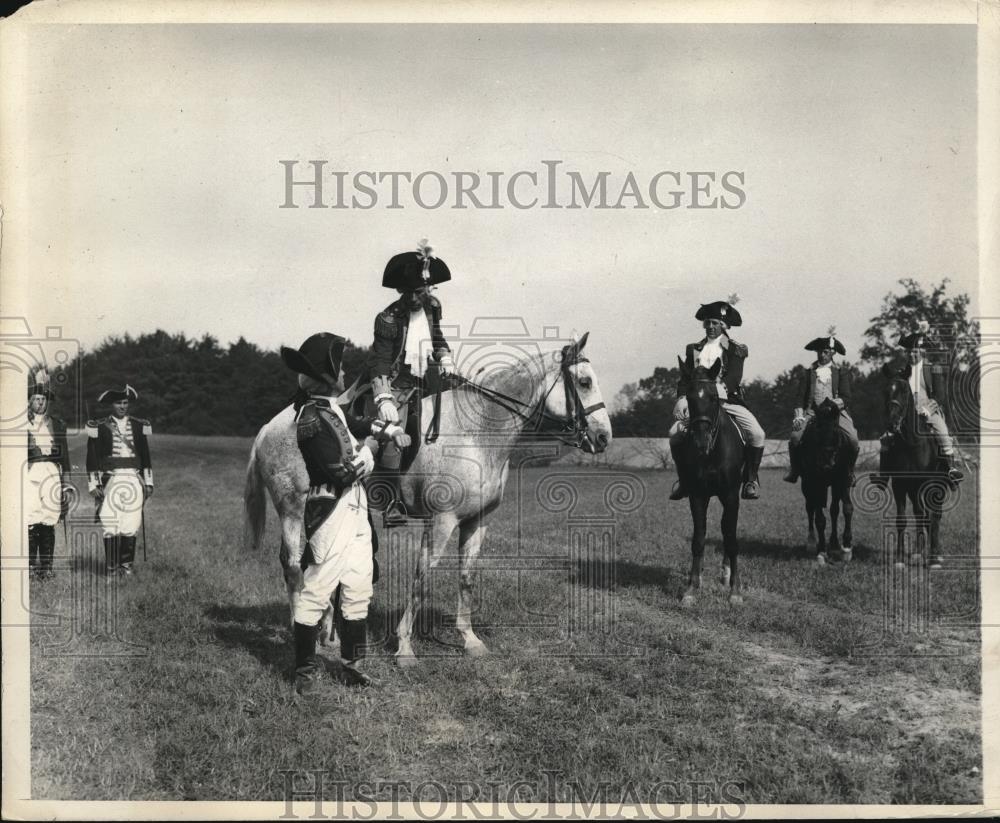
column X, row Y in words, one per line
column 391, row 327
column 327, row 450
column 840, row 385
column 100, row 448
column 60, row 448
column 731, row 375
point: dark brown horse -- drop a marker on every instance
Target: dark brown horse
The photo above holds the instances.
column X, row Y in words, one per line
column 709, row 460
column 916, row 474
column 827, row 460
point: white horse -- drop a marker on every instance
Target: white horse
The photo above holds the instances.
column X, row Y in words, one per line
column 455, row 481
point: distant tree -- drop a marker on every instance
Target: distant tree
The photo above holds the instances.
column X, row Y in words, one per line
column 946, row 317
column 187, row 386
column 646, row 408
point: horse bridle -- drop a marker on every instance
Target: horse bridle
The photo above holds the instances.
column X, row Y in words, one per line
column 902, row 404
column 573, row 429
column 715, row 422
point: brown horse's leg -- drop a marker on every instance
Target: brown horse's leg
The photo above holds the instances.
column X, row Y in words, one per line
column 899, row 493
column 811, row 518
column 819, row 501
column 699, row 512
column 936, row 561
column 730, row 519
column 834, row 519
column 848, row 535
column 470, row 541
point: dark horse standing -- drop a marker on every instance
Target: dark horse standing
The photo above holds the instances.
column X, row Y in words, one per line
column 709, row 459
column 915, row 471
column 827, row 459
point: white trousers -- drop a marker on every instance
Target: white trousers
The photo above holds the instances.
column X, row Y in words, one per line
column 42, row 493
column 342, row 551
column 753, row 434
column 121, row 511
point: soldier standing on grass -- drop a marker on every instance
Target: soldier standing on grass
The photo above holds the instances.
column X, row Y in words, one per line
column 340, row 539
column 48, row 470
column 120, row 476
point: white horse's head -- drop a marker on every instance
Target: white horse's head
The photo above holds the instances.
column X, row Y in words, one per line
column 574, row 401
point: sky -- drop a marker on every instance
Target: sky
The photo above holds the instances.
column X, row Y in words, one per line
column 152, row 182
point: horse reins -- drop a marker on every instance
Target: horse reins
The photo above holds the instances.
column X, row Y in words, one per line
column 713, row 434
column 574, row 425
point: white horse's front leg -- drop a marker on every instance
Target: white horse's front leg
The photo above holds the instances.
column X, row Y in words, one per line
column 470, row 542
column 291, row 528
column 433, row 540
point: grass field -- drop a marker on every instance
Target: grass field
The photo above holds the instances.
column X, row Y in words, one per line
column 816, row 690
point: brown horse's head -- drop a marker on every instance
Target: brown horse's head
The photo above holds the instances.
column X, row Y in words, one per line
column 897, row 397
column 826, row 436
column 704, row 406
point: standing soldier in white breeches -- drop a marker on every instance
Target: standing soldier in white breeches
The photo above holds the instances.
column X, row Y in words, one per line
column 48, row 473
column 120, row 476
column 340, row 538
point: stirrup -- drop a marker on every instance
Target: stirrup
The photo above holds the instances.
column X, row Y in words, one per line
column 678, row 492
column 751, row 490
column 394, row 515
column 791, row 477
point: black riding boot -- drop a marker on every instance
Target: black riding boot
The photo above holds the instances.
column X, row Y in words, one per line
column 395, row 512
column 127, row 553
column 794, row 469
column 34, row 551
column 680, row 489
column 307, row 665
column 111, row 554
column 955, row 474
column 751, row 486
column 46, row 550
column 353, row 637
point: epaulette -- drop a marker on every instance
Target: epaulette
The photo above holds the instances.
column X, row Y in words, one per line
column 92, row 426
column 386, row 324
column 307, row 422
column 147, row 427
column 739, row 349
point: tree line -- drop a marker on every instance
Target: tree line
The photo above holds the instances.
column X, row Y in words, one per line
column 196, row 386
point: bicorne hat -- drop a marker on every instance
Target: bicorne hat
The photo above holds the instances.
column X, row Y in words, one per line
column 413, row 270
column 319, row 357
column 116, row 395
column 39, row 383
column 915, row 340
column 719, row 310
column 828, row 342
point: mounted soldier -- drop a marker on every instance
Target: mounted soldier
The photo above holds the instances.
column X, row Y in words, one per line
column 341, row 541
column 120, row 476
column 409, row 355
column 928, row 394
column 717, row 346
column 48, row 467
column 825, row 379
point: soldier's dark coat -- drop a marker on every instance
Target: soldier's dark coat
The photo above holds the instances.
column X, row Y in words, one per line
column 732, row 368
column 100, row 445
column 391, row 327
column 60, row 447
column 840, row 384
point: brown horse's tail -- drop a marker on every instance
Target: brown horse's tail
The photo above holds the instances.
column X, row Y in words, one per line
column 254, row 503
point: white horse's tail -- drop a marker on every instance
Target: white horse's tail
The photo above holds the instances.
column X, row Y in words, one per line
column 254, row 503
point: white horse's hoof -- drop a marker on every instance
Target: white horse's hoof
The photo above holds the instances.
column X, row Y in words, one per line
column 687, row 601
column 846, row 555
column 407, row 661
column 936, row 563
column 899, row 564
column 476, row 650
column 821, row 559
column 736, row 600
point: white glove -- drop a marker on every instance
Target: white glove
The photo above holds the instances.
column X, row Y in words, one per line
column 839, row 402
column 681, row 409
column 388, row 412
column 798, row 424
column 446, row 365
column 398, row 435
column 364, row 462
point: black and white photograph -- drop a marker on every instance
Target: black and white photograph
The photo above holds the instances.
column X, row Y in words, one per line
column 432, row 411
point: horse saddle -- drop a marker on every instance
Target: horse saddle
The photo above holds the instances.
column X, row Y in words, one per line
column 360, row 399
